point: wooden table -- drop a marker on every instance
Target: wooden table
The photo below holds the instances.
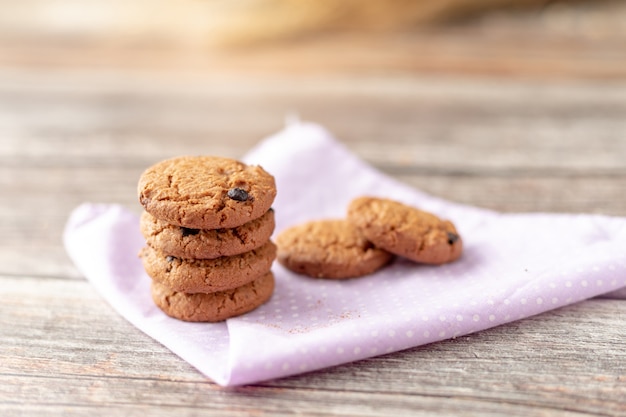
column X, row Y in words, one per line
column 75, row 130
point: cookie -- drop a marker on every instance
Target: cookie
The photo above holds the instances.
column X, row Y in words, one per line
column 215, row 306
column 206, row 192
column 332, row 249
column 208, row 275
column 405, row 230
column 182, row 242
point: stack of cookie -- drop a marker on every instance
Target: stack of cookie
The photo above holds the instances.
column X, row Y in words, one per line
column 207, row 224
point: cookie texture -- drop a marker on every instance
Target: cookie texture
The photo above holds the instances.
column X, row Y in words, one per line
column 183, row 242
column 206, row 192
column 207, row 275
column 405, row 230
column 330, row 248
column 213, row 307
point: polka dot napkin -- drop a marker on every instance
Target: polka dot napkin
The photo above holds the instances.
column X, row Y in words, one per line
column 513, row 266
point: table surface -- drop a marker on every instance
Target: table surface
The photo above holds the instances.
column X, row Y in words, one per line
column 527, row 124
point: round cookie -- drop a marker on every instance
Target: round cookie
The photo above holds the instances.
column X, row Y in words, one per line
column 207, row 275
column 206, row 192
column 332, row 249
column 187, row 243
column 405, row 230
column 215, row 306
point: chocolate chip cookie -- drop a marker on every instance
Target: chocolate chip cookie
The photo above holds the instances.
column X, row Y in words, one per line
column 183, row 242
column 332, row 249
column 206, row 192
column 208, row 275
column 405, row 230
column 216, row 306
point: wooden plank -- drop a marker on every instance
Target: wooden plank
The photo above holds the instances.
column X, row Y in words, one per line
column 72, row 354
column 431, row 124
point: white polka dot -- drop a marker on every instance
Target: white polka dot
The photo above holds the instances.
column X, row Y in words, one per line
column 568, row 284
column 507, row 302
column 442, row 318
column 373, row 350
column 409, row 334
column 523, row 301
column 555, row 300
column 424, row 318
column 340, row 350
column 442, row 333
column 426, row 333
column 492, row 317
column 357, row 350
column 539, row 300
column 599, row 283
column 285, row 366
column 391, row 333
column 584, row 283
column 476, row 317
column 459, row 317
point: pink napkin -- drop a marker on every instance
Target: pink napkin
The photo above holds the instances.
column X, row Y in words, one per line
column 513, row 266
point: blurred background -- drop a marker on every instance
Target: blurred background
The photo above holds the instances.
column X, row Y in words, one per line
column 486, row 37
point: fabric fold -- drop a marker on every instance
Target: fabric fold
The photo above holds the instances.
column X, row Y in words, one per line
column 513, row 266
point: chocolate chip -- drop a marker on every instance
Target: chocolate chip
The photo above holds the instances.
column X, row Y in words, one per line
column 238, row 194
column 452, row 237
column 189, row 232
column 170, row 258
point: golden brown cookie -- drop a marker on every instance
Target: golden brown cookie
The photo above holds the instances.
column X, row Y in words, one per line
column 208, row 275
column 405, row 230
column 206, row 192
column 329, row 249
column 215, row 306
column 182, row 242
